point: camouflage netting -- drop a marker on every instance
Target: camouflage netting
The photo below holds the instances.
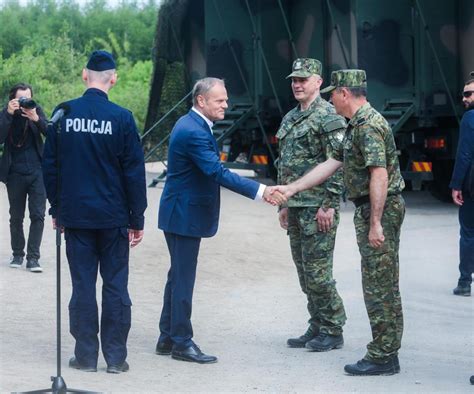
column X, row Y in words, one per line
column 170, row 80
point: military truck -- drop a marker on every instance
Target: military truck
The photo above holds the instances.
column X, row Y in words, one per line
column 417, row 54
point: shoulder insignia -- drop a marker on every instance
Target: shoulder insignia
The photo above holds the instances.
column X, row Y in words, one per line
column 334, row 123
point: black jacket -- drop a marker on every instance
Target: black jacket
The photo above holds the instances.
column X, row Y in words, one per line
column 36, row 128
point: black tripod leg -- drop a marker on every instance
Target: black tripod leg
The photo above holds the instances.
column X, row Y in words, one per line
column 58, row 387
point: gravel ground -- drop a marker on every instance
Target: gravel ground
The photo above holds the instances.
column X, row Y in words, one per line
column 247, row 303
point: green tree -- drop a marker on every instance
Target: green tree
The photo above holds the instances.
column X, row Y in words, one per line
column 41, row 19
column 53, row 69
column 47, row 42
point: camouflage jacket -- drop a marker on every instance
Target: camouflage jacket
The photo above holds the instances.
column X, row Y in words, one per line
column 307, row 138
column 368, row 142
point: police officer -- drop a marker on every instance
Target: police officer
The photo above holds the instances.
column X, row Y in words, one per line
column 101, row 206
column 22, row 124
column 374, row 183
column 308, row 135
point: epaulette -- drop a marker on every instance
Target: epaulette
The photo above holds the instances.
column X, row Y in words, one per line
column 334, row 123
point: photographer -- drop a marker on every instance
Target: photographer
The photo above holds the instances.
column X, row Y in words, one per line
column 21, row 124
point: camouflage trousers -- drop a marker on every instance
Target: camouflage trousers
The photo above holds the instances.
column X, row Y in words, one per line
column 380, row 278
column 312, row 253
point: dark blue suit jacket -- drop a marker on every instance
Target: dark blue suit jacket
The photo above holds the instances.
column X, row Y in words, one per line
column 463, row 171
column 190, row 201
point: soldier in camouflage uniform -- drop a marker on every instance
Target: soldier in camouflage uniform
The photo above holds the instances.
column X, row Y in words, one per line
column 308, row 135
column 374, row 183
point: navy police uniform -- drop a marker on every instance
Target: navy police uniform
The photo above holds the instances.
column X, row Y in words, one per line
column 102, row 194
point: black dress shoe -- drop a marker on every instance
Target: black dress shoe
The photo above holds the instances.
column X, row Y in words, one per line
column 193, row 354
column 73, row 363
column 124, row 367
column 325, row 342
column 366, row 367
column 163, row 348
column 301, row 340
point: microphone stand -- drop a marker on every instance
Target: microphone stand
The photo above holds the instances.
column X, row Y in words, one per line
column 59, row 385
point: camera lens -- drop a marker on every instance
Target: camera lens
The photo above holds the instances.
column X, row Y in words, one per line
column 27, row 103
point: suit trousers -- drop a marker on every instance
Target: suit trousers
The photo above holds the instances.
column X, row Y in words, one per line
column 175, row 321
column 20, row 188
column 466, row 242
column 107, row 250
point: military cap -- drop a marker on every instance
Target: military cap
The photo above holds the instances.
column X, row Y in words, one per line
column 472, row 73
column 305, row 67
column 101, row 61
column 346, row 79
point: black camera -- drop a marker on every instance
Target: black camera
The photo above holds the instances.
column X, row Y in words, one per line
column 26, row 103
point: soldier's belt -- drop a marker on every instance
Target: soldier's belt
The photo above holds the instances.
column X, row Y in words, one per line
column 366, row 199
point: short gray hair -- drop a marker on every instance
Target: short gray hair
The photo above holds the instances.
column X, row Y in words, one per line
column 357, row 92
column 100, row 76
column 202, row 86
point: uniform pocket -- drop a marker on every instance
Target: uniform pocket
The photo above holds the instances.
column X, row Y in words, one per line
column 307, row 220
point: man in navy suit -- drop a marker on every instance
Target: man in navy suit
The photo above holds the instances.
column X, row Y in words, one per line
column 189, row 210
column 462, row 185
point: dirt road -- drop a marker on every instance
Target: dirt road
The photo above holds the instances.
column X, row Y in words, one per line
column 247, row 303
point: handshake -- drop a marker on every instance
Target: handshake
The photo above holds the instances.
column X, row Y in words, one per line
column 279, row 194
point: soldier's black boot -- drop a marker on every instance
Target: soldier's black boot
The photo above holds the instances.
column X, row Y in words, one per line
column 462, row 290
column 302, row 340
column 366, row 367
column 325, row 342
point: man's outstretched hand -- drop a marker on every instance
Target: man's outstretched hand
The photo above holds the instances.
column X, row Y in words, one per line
column 273, row 197
column 286, row 191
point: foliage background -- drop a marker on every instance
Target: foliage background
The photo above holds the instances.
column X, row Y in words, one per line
column 46, row 43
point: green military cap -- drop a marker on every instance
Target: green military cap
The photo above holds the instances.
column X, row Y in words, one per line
column 305, row 67
column 346, row 79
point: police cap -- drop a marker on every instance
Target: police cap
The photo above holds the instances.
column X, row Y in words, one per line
column 101, row 61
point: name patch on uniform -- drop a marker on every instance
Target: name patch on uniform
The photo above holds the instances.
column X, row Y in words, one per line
column 93, row 126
